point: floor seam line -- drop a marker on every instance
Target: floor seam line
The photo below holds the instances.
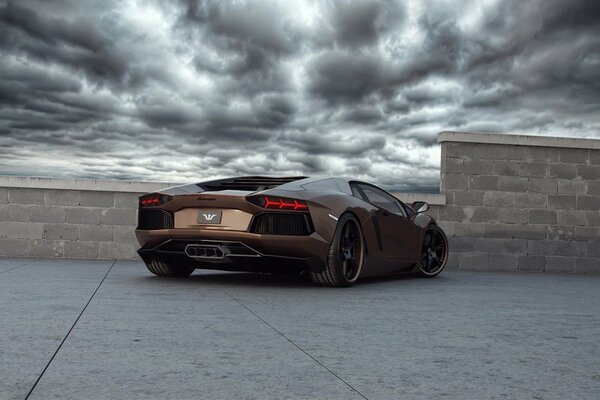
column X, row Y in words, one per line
column 69, row 332
column 19, row 266
column 293, row 343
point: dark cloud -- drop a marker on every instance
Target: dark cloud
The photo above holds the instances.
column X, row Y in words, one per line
column 195, row 89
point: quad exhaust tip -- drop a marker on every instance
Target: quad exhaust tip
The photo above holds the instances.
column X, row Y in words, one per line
column 204, row 252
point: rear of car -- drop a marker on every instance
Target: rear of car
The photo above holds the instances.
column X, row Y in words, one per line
column 242, row 224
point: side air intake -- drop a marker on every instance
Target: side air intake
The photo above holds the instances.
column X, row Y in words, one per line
column 281, row 224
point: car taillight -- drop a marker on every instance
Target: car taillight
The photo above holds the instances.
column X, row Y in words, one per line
column 154, row 199
column 279, row 203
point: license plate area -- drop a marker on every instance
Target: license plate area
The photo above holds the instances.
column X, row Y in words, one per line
column 209, row 217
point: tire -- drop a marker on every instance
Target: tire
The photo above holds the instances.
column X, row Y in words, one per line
column 160, row 268
column 434, row 254
column 346, row 255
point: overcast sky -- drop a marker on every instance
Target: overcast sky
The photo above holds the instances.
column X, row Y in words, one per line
column 182, row 91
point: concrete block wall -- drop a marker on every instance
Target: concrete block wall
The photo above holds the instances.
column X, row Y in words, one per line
column 521, row 202
column 58, row 218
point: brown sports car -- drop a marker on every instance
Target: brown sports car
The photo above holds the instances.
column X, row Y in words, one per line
column 334, row 229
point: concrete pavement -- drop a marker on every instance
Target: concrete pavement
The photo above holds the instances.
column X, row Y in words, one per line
column 74, row 329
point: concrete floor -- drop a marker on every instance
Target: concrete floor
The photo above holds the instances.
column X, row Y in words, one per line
column 74, row 329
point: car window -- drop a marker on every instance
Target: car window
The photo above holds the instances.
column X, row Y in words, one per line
column 382, row 199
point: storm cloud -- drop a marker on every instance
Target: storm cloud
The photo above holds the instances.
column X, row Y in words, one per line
column 191, row 90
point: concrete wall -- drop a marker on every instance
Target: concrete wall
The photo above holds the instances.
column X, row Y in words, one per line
column 521, row 202
column 56, row 218
column 80, row 218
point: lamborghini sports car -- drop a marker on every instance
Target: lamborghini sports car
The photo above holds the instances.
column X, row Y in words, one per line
column 334, row 229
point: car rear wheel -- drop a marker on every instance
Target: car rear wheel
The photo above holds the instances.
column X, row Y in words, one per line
column 435, row 252
column 160, row 268
column 346, row 255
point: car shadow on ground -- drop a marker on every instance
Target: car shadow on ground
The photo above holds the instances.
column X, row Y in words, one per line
column 274, row 280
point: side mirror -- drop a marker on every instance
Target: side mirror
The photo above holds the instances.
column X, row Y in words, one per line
column 420, row 206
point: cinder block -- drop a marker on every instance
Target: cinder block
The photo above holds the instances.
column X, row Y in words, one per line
column 452, row 262
column 587, row 232
column 589, row 172
column 503, row 262
column 449, row 213
column 473, row 261
column 571, row 218
column 468, row 198
column 97, row 233
column 498, row 199
column 500, row 246
column 512, row 216
column 117, row 251
column 516, row 152
column 542, row 247
column 126, row 200
column 454, row 181
column 15, row 212
column 575, row 156
column 60, row 232
column 490, row 151
column 469, row 229
column 548, row 154
column 531, row 200
column 14, row 247
column 483, row 182
column 47, row 214
column 88, row 250
column 47, row 248
column 588, row 265
column 478, row 167
column 533, row 169
column 512, row 184
column 462, row 150
column 561, row 232
column 547, row 217
column 3, row 195
column 562, row 201
column 62, row 197
column 124, row 234
column 532, row 263
column 540, row 185
column 561, row 264
column 594, row 156
column 25, row 196
column 563, row 171
column 567, row 186
column 82, row 215
column 593, row 248
column 452, row 165
column 506, row 168
column 591, row 203
column 21, row 230
column 482, row 214
column 593, row 218
column 515, row 231
column 593, row 188
column 460, row 244
column 118, row 216
column 97, row 199
column 571, row 248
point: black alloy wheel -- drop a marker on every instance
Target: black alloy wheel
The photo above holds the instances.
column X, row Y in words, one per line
column 346, row 255
column 435, row 252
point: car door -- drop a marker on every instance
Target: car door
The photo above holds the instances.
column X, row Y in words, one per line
column 399, row 237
